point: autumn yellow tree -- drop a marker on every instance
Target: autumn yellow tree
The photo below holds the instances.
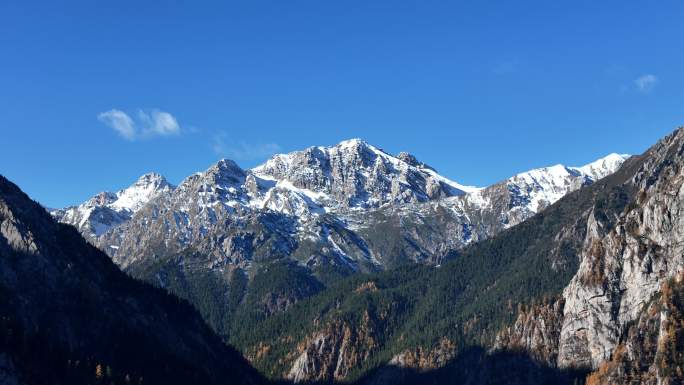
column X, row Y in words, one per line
column 98, row 371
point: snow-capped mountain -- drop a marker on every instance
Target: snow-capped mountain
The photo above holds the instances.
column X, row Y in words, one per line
column 429, row 231
column 357, row 174
column 291, row 200
column 536, row 189
column 320, row 206
column 331, row 211
column 105, row 210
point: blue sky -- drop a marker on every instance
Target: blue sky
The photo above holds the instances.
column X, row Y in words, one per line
column 480, row 90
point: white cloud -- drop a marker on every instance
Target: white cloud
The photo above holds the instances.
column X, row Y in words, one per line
column 120, row 122
column 158, row 123
column 148, row 124
column 224, row 147
column 645, row 83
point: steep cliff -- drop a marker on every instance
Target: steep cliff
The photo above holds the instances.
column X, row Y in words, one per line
column 651, row 348
column 632, row 248
column 626, row 256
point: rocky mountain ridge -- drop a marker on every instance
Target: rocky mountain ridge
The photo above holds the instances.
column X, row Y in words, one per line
column 570, row 290
column 621, row 313
column 329, row 199
column 234, row 241
column 106, row 210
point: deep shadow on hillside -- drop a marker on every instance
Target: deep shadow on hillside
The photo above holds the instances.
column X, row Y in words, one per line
column 68, row 315
column 43, row 362
column 474, row 366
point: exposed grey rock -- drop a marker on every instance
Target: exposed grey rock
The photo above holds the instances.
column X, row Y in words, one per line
column 649, row 350
column 633, row 243
column 624, row 264
column 347, row 208
column 107, row 210
column 536, row 330
column 331, row 353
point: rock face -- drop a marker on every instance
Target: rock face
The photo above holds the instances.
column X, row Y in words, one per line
column 626, row 257
column 356, row 174
column 536, row 331
column 650, row 351
column 351, row 207
column 331, row 353
column 423, row 359
column 606, row 318
column 107, row 210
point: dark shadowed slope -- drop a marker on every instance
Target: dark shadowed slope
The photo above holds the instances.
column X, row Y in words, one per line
column 69, row 316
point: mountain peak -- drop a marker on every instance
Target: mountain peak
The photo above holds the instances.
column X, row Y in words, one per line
column 603, row 167
column 106, row 209
column 355, row 173
column 136, row 195
column 228, row 165
column 352, row 142
column 226, row 171
column 151, row 177
column 408, row 158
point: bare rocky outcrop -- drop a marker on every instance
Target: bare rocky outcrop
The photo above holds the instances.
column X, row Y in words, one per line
column 331, row 353
column 351, row 206
column 107, row 210
column 536, row 331
column 650, row 350
column 354, row 173
column 627, row 255
column 634, row 243
column 423, row 359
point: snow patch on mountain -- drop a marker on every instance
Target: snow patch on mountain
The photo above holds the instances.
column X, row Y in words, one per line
column 323, row 205
column 135, row 196
column 603, row 167
column 106, row 210
column 542, row 187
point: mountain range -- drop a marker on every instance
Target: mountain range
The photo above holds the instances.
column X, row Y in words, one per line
column 589, row 289
column 320, row 207
column 346, row 263
column 312, row 217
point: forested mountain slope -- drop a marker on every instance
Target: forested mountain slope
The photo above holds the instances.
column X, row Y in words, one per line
column 235, row 242
column 68, row 315
column 563, row 288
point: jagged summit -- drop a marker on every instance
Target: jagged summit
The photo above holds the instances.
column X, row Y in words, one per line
column 352, row 142
column 603, row 167
column 145, row 188
column 536, row 189
column 324, row 203
column 226, row 172
column 357, row 174
column 105, row 210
